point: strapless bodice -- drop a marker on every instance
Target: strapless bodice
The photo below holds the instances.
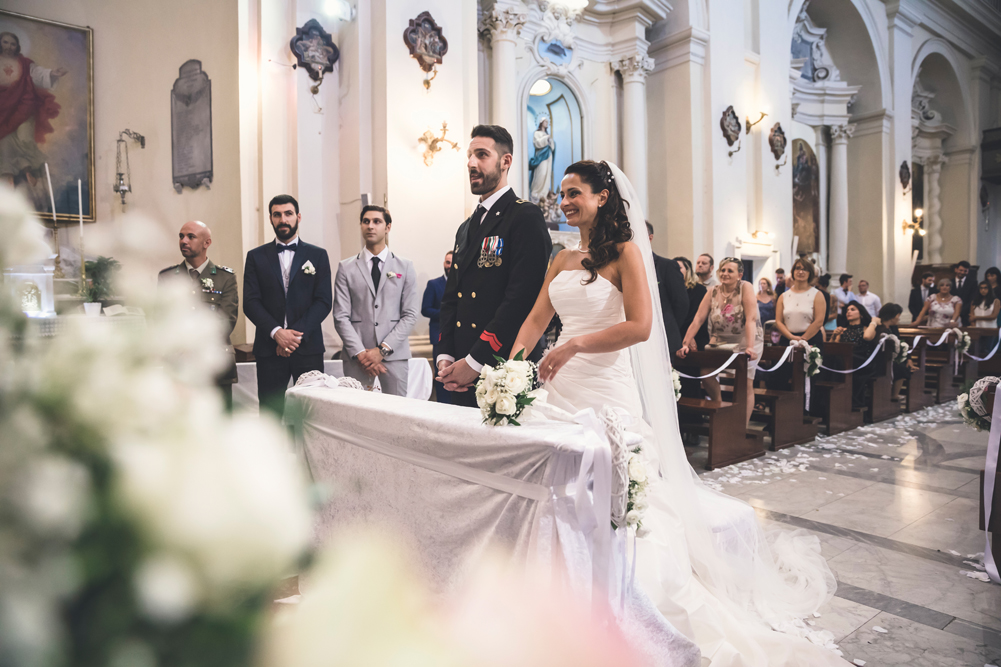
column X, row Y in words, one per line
column 591, row 380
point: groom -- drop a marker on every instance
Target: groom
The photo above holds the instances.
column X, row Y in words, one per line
column 499, row 266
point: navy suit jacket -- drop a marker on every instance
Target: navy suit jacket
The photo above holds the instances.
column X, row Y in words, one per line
column 673, row 300
column 307, row 303
column 431, row 306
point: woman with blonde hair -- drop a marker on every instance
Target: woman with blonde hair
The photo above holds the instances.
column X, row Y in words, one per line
column 766, row 300
column 696, row 292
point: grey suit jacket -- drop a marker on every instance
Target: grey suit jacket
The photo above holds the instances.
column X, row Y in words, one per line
column 364, row 317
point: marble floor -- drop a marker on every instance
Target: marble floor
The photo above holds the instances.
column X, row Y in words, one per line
column 896, row 508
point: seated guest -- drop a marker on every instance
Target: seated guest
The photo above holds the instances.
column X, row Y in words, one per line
column 868, row 299
column 431, row 309
column 857, row 327
column 376, row 284
column 920, row 294
column 993, row 278
column 844, row 293
column 824, row 285
column 799, row 315
column 888, row 320
column 766, row 301
column 673, row 296
column 984, row 314
column 696, row 292
column 942, row 309
column 780, row 282
column 963, row 287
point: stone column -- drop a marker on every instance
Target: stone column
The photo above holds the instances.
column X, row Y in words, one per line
column 820, row 142
column 838, row 218
column 634, row 70
column 502, row 26
column 933, row 170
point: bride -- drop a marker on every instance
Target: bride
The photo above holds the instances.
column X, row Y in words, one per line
column 738, row 592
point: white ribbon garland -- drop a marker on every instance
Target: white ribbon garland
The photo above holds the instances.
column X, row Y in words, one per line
column 715, row 372
column 879, row 346
column 778, row 363
column 989, row 355
column 990, row 474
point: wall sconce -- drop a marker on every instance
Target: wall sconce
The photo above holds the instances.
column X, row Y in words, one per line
column 432, row 144
column 748, row 124
column 123, row 180
column 427, row 45
column 911, row 227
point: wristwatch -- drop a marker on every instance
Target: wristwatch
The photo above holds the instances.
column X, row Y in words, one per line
column 385, row 350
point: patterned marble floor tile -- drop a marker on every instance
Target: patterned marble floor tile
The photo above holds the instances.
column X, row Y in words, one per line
column 880, row 509
column 804, row 492
column 842, row 617
column 914, row 645
column 952, row 526
column 919, row 581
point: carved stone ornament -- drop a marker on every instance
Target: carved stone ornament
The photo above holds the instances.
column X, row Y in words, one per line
column 777, row 140
column 905, row 174
column 635, row 67
column 314, row 50
column 190, row 128
column 505, row 23
column 425, row 41
column 554, row 45
column 730, row 125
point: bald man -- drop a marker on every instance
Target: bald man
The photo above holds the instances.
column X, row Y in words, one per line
column 215, row 283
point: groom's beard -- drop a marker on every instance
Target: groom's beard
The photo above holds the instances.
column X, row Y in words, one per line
column 488, row 180
column 285, row 232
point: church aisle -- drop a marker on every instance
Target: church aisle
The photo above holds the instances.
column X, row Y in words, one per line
column 895, row 505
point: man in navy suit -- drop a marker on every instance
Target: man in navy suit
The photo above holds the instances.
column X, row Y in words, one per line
column 431, row 309
column 287, row 293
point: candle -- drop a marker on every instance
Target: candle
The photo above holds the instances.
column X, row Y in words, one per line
column 52, row 197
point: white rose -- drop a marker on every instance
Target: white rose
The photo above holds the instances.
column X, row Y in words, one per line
column 641, row 504
column 166, row 588
column 633, row 517
column 637, row 471
column 505, row 405
column 516, row 382
column 491, row 395
column 962, row 399
column 523, row 368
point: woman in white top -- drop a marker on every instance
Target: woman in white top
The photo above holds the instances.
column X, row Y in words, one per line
column 799, row 315
column 985, row 307
column 941, row 310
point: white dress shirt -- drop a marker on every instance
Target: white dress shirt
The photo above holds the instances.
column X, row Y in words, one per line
column 199, row 269
column 844, row 297
column 383, row 256
column 871, row 302
column 486, row 204
column 285, row 260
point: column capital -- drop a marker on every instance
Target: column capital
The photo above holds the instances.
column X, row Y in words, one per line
column 502, row 24
column 902, row 17
column 840, row 134
column 635, row 67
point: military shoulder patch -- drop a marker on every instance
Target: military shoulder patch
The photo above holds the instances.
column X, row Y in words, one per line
column 224, row 268
column 522, row 201
column 176, row 267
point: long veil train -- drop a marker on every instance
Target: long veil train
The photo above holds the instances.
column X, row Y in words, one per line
column 749, row 581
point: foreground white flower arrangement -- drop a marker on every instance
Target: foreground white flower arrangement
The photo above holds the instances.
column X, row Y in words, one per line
column 676, row 381
column 969, row 415
column 813, row 361
column 639, row 484
column 505, row 390
column 963, row 341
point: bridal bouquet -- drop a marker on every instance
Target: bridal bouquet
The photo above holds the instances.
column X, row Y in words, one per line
column 676, row 380
column 505, row 390
column 639, row 482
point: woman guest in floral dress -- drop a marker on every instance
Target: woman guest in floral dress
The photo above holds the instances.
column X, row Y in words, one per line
column 732, row 310
column 941, row 310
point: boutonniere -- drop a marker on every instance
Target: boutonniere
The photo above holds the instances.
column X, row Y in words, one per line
column 393, row 274
column 308, row 268
column 207, row 284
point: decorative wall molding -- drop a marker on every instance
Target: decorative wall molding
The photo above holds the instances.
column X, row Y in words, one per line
column 685, row 46
column 503, row 23
column 634, row 68
column 874, row 122
column 555, row 25
column 842, row 133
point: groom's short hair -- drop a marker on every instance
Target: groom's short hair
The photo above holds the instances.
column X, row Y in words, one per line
column 502, row 138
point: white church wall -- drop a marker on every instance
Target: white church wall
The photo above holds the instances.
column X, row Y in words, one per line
column 138, row 49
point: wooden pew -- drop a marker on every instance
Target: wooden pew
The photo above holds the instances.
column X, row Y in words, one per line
column 879, row 401
column 916, row 396
column 729, row 440
column 939, row 371
column 784, row 420
column 993, row 365
column 835, row 395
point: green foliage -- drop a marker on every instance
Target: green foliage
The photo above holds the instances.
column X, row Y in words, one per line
column 101, row 275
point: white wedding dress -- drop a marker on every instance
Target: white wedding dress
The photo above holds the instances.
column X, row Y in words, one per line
column 739, row 593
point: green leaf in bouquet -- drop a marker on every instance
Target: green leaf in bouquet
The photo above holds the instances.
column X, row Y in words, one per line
column 500, row 360
column 520, row 356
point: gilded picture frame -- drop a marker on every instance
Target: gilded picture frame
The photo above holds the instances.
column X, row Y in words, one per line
column 52, row 64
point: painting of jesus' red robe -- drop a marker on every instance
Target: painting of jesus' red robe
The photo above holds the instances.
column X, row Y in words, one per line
column 46, row 113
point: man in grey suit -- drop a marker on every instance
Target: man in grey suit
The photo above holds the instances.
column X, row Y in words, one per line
column 375, row 307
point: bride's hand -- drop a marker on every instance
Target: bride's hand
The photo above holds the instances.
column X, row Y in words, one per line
column 555, row 360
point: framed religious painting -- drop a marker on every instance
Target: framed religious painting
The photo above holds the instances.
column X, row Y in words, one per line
column 47, row 114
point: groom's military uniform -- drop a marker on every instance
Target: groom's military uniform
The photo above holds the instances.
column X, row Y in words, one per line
column 498, row 268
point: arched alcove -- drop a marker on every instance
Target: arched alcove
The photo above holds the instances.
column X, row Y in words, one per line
column 554, row 141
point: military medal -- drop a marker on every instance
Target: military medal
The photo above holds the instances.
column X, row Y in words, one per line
column 500, row 248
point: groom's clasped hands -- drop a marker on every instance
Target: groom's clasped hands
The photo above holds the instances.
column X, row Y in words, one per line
column 457, row 375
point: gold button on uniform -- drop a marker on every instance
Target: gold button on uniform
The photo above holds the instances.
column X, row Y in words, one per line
column 458, row 324
column 473, row 325
column 474, row 295
column 460, row 295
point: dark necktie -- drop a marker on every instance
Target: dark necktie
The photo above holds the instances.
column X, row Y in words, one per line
column 376, row 273
column 474, row 222
column 194, row 275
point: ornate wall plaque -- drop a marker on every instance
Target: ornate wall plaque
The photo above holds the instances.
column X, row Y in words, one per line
column 314, row 50
column 730, row 125
column 191, row 127
column 425, row 41
column 777, row 140
column 905, row 174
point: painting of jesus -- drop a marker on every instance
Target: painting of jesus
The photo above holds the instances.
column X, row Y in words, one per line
column 46, row 113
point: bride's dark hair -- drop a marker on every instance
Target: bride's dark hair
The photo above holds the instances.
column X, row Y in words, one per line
column 611, row 225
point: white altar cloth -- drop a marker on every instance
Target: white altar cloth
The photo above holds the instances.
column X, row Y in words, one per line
column 245, row 390
column 453, row 487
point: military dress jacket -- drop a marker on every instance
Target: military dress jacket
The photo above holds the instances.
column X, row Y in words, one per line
column 497, row 271
column 218, row 290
